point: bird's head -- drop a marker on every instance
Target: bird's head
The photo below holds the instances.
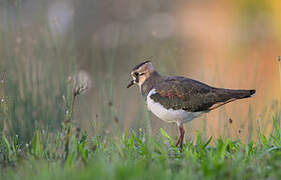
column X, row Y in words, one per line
column 141, row 73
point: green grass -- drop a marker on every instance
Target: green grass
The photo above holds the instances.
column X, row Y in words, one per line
column 70, row 153
column 134, row 157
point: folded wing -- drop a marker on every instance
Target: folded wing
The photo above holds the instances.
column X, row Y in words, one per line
column 194, row 96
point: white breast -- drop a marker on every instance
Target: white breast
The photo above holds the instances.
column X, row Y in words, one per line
column 169, row 115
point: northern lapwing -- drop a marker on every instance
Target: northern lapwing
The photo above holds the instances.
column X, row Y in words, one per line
column 177, row 99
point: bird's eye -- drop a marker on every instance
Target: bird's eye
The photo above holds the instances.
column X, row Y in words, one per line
column 136, row 74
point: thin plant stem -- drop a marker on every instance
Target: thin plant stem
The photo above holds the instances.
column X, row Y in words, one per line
column 279, row 64
column 72, row 106
column 66, row 148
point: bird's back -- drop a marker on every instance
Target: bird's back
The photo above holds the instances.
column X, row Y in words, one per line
column 178, row 92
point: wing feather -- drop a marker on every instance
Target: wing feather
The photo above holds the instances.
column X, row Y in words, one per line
column 189, row 95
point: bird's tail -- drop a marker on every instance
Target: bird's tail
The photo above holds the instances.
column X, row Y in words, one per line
column 238, row 94
column 225, row 96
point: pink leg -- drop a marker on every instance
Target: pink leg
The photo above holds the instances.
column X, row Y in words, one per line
column 180, row 140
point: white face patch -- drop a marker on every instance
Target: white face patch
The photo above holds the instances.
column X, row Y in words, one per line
column 169, row 115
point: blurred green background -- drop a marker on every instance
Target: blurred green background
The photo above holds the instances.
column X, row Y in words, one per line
column 45, row 43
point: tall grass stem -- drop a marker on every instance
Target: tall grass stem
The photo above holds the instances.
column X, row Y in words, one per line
column 279, row 65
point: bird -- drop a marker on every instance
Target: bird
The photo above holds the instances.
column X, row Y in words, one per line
column 177, row 99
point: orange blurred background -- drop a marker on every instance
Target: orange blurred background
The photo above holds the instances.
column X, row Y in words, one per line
column 237, row 44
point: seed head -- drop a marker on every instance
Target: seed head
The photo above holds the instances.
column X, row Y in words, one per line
column 82, row 83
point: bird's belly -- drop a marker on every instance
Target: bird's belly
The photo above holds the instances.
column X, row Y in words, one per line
column 170, row 115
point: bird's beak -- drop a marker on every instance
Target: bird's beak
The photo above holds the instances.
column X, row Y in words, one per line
column 131, row 83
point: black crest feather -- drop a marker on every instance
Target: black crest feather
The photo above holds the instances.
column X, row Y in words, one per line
column 141, row 64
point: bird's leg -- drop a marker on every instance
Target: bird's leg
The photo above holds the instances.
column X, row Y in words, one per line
column 182, row 131
column 180, row 140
